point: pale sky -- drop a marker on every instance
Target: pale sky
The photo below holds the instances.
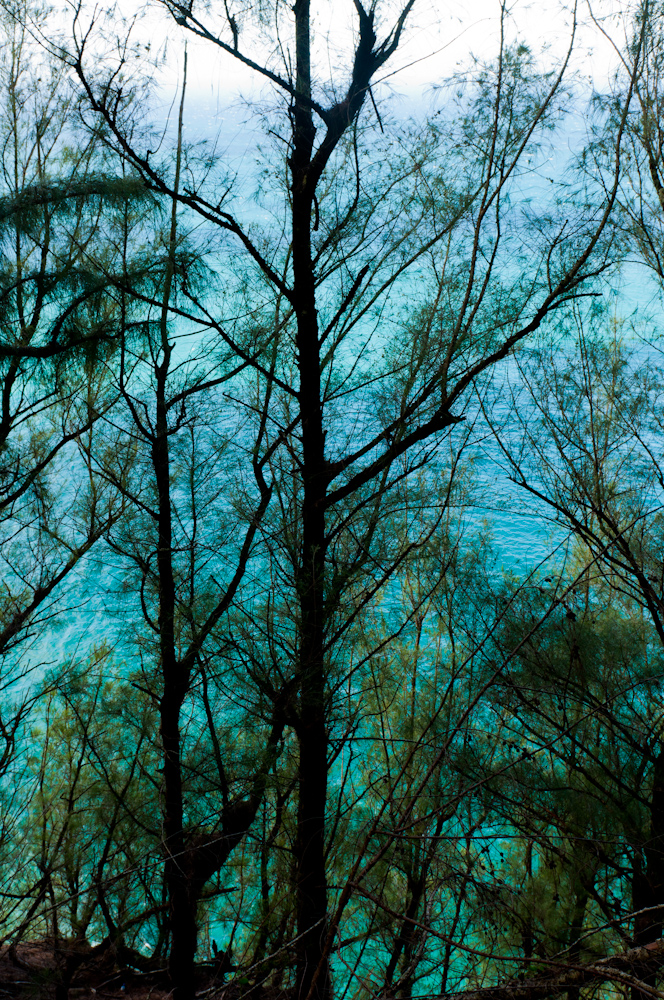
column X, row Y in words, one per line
column 441, row 35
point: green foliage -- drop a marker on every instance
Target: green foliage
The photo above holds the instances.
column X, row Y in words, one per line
column 488, row 745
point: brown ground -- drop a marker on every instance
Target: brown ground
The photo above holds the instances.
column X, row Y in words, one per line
column 34, row 972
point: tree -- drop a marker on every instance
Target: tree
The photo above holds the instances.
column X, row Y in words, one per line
column 56, row 316
column 89, row 820
column 170, row 423
column 340, row 480
column 370, row 311
column 590, row 451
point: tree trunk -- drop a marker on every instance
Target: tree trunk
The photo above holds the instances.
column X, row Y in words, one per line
column 181, row 909
column 581, row 897
column 648, row 883
column 312, row 973
column 407, row 938
column 312, row 727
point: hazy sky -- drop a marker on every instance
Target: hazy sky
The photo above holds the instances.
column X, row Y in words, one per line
column 441, row 37
column 441, row 34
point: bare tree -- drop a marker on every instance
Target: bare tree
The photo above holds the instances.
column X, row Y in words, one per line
column 374, row 305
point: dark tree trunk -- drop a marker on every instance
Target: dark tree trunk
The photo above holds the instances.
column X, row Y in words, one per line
column 407, row 938
column 648, row 880
column 311, row 882
column 181, row 914
column 311, row 878
column 581, row 897
column 311, row 728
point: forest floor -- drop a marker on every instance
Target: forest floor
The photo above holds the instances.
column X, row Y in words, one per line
column 35, row 972
column 38, row 971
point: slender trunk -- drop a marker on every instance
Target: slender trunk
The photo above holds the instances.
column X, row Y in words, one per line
column 311, row 881
column 310, row 842
column 581, row 897
column 407, row 938
column 182, row 916
column 312, row 728
column 181, row 909
column 182, row 896
column 648, row 882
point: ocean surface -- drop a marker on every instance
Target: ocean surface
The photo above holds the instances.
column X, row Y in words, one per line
column 523, row 532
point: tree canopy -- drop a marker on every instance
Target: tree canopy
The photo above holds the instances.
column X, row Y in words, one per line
column 280, row 716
